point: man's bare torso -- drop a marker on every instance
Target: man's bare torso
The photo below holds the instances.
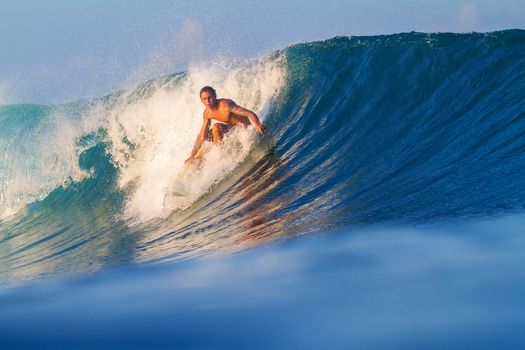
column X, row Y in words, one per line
column 224, row 111
column 222, row 114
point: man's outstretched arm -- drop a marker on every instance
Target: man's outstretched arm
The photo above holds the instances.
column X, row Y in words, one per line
column 233, row 108
column 200, row 139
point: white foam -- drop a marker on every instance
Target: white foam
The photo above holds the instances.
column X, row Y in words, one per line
column 163, row 128
column 37, row 158
column 149, row 137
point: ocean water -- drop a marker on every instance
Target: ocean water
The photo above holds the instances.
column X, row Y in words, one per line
column 382, row 208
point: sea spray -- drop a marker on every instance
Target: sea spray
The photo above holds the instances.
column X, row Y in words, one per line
column 39, row 150
column 151, row 137
column 147, row 132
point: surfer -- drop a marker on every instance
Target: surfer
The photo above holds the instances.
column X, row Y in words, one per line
column 227, row 114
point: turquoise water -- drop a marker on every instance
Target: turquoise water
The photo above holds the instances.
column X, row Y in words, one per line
column 382, row 208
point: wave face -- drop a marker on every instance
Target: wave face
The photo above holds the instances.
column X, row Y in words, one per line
column 385, row 130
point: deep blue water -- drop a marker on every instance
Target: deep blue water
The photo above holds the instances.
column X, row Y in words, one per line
column 383, row 207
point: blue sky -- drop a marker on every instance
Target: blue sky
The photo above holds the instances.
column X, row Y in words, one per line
column 57, row 51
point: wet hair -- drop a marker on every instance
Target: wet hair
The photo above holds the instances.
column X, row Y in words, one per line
column 208, row 89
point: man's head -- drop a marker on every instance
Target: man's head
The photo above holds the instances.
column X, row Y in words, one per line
column 208, row 96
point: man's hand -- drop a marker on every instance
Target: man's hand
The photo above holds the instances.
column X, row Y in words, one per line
column 259, row 128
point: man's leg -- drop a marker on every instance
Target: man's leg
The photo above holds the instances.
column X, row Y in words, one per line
column 217, row 133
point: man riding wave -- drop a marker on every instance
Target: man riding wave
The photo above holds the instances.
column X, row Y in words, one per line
column 227, row 113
